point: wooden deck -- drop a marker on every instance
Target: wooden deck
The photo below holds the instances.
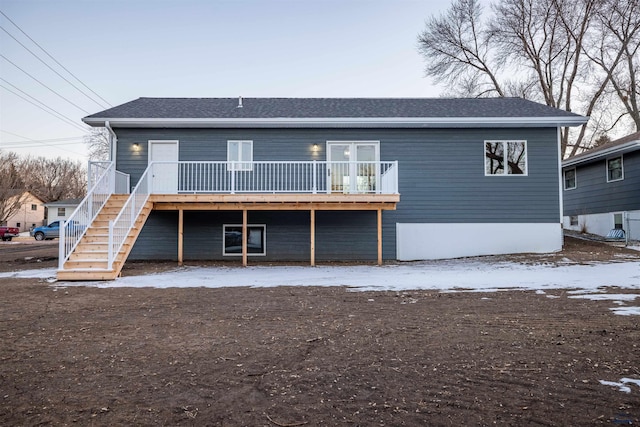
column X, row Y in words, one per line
column 88, row 262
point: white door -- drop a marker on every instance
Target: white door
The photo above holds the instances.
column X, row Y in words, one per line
column 353, row 166
column 164, row 171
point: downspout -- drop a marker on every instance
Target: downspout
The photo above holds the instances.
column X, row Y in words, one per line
column 560, row 186
column 113, row 141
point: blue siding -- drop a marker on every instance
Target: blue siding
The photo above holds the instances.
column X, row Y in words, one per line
column 593, row 194
column 441, row 180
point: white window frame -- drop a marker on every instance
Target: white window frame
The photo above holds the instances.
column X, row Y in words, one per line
column 506, row 169
column 575, row 179
column 64, row 212
column 264, row 239
column 241, row 164
column 606, row 167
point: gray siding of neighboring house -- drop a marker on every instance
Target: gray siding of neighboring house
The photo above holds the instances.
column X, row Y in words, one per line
column 593, row 194
column 441, row 180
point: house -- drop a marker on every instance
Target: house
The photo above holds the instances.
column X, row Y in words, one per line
column 29, row 215
column 602, row 189
column 61, row 209
column 313, row 179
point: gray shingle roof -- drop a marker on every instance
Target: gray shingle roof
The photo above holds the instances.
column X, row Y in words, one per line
column 335, row 108
column 622, row 145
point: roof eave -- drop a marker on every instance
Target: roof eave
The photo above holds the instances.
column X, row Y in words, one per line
column 601, row 154
column 399, row 122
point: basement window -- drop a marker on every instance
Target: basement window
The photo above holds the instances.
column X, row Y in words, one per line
column 256, row 239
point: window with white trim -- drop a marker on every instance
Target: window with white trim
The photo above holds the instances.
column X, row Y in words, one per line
column 570, row 179
column 505, row 158
column 62, row 211
column 615, row 169
column 256, row 239
column 239, row 155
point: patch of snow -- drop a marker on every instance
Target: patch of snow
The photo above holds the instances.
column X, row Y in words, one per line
column 608, row 297
column 42, row 273
column 626, row 311
column 622, row 384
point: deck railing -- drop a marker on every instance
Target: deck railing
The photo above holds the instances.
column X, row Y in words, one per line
column 274, row 177
column 120, row 226
column 103, row 180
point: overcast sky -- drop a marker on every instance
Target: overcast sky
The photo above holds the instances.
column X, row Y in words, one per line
column 125, row 49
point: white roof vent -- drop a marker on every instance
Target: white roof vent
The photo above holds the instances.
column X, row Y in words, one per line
column 239, row 102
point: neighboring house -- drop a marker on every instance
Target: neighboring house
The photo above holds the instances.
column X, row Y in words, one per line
column 602, row 188
column 281, row 179
column 61, row 210
column 30, row 214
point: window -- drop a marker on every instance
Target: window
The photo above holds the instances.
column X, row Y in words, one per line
column 34, row 207
column 61, row 211
column 240, row 151
column 505, row 158
column 573, row 220
column 617, row 221
column 614, row 169
column 570, row 179
column 256, row 240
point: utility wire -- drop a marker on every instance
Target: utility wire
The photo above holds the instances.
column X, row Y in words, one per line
column 51, row 68
column 70, row 102
column 68, row 138
column 55, row 60
column 24, row 137
column 42, row 104
column 53, row 114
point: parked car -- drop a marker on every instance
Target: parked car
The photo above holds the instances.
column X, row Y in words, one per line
column 46, row 232
column 51, row 231
column 8, row 233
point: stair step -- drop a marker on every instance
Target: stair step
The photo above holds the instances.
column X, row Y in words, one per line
column 91, row 264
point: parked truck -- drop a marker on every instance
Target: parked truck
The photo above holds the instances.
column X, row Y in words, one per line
column 8, row 233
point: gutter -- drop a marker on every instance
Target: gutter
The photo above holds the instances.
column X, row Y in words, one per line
column 597, row 155
column 364, row 122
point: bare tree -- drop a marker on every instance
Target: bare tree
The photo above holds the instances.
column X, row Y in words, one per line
column 53, row 179
column 457, row 47
column 12, row 191
column 98, row 141
column 530, row 48
column 615, row 49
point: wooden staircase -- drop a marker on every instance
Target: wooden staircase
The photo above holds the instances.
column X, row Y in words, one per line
column 89, row 260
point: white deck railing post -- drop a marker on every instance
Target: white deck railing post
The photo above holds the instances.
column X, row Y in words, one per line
column 315, row 177
column 61, row 246
column 110, row 246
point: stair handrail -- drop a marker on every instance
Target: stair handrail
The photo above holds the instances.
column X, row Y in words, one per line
column 72, row 230
column 122, row 224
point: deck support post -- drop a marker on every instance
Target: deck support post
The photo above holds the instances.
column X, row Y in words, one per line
column 180, row 235
column 244, row 237
column 313, row 237
column 379, row 236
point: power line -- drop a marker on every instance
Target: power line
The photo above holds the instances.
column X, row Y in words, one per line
column 34, row 142
column 70, row 102
column 54, row 114
column 24, row 137
column 51, row 110
column 68, row 138
column 55, row 60
column 48, row 66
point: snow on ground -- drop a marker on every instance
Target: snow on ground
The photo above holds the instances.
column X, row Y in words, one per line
column 450, row 275
column 580, row 281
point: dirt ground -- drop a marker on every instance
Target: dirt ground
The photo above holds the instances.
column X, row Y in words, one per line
column 311, row 356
